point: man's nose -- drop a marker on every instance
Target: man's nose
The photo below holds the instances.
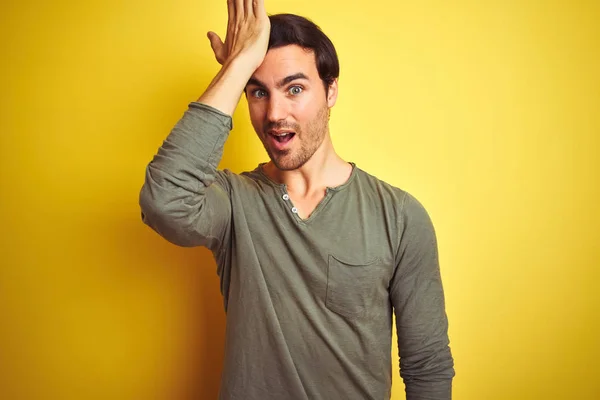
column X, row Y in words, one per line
column 278, row 110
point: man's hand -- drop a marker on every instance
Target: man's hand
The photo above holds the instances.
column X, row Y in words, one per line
column 242, row 53
column 247, row 37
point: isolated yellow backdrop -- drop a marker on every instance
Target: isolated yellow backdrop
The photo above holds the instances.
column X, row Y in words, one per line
column 488, row 112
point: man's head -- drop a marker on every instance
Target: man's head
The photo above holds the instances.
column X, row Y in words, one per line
column 290, row 29
column 290, row 94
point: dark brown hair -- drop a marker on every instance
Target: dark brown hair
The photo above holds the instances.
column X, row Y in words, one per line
column 289, row 29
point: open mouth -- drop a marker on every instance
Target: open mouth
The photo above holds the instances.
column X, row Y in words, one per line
column 283, row 137
column 281, row 140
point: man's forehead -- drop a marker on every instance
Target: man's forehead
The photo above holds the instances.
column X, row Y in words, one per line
column 285, row 61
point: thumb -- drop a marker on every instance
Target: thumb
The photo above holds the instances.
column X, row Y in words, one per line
column 215, row 43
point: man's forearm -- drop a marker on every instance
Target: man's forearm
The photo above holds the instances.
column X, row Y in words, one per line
column 226, row 88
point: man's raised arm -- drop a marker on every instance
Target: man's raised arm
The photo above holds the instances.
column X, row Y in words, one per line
column 184, row 198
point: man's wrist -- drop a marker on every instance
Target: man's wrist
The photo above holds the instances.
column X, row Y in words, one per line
column 226, row 88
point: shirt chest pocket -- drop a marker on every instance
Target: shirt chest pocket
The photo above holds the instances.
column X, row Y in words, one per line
column 356, row 289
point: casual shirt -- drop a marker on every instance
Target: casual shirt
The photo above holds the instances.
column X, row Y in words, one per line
column 309, row 302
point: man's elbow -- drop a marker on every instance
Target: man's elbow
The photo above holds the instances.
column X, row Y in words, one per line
column 430, row 378
column 438, row 364
column 173, row 225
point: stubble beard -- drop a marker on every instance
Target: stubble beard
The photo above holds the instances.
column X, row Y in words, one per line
column 310, row 140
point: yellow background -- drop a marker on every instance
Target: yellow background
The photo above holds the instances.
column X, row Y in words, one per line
column 487, row 111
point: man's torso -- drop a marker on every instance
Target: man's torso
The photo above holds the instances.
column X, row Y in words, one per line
column 308, row 309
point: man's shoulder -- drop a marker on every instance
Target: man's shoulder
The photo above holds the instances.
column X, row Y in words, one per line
column 401, row 199
column 248, row 179
column 380, row 187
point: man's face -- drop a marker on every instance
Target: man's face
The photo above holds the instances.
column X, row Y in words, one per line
column 288, row 105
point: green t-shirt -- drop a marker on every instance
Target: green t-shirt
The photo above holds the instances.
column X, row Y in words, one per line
column 309, row 302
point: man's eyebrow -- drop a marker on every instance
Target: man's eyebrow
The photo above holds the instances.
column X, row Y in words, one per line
column 255, row 82
column 291, row 78
column 281, row 83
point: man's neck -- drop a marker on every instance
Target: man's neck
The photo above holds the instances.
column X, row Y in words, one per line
column 324, row 169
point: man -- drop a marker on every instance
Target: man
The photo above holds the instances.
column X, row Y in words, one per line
column 313, row 253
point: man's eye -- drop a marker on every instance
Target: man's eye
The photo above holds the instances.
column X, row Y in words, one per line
column 259, row 93
column 295, row 90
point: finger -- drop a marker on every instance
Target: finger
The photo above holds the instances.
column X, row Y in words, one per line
column 239, row 10
column 248, row 8
column 230, row 12
column 215, row 43
column 258, row 7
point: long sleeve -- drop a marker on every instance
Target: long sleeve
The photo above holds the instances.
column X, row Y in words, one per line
column 426, row 363
column 184, row 198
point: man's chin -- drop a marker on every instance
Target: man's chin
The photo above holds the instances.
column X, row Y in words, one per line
column 285, row 162
column 291, row 165
column 283, row 165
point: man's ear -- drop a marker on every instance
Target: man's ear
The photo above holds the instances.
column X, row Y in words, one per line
column 332, row 93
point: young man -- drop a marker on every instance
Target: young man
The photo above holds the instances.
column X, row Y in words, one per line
column 313, row 253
